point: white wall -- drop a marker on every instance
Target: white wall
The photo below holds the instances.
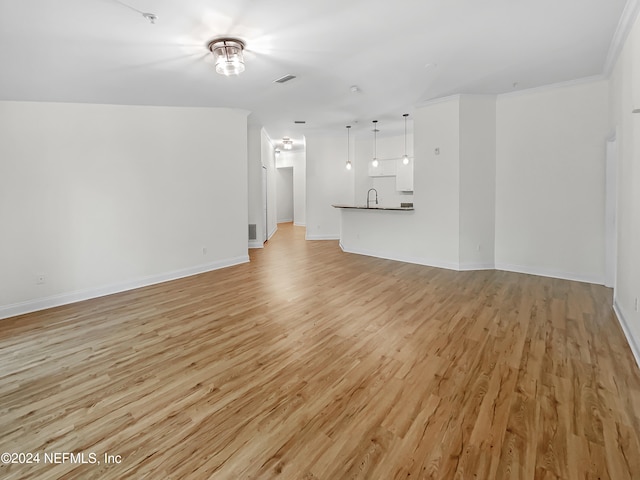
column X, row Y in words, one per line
column 268, row 160
column 284, row 189
column 624, row 87
column 328, row 182
column 436, row 179
column 550, row 181
column 477, row 181
column 430, row 234
column 102, row 198
column 254, row 182
column 300, row 188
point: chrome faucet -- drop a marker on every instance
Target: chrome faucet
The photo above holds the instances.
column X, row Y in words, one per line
column 368, row 196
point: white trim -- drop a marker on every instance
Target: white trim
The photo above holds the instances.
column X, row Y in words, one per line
column 29, row 306
column 403, row 258
column 435, row 101
column 286, row 220
column 256, row 244
column 635, row 348
column 272, row 233
column 299, row 224
column 627, row 19
column 335, row 236
column 553, row 86
column 467, row 267
column 545, row 272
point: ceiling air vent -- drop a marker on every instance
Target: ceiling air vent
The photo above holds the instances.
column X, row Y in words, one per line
column 284, row 79
column 299, row 122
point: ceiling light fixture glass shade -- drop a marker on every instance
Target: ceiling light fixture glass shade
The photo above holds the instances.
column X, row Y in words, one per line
column 405, row 158
column 375, row 162
column 348, row 147
column 287, row 143
column 228, row 56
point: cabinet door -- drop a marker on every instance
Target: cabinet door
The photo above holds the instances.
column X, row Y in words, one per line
column 404, row 176
column 385, row 168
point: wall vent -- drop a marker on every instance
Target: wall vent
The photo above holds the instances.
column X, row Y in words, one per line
column 284, row 79
column 299, row 122
column 252, row 231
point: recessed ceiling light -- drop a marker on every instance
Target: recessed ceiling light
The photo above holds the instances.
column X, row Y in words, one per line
column 152, row 17
column 355, row 89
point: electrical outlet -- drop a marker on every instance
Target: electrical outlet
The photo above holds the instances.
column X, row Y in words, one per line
column 204, row 250
column 40, row 279
column 636, row 304
column 437, row 151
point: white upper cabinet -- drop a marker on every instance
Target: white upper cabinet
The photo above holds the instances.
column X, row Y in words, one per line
column 385, row 168
column 404, row 176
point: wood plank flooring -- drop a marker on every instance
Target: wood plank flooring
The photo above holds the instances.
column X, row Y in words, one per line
column 309, row 363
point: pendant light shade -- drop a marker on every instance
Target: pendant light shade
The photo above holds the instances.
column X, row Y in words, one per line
column 405, row 158
column 348, row 147
column 228, row 56
column 375, row 162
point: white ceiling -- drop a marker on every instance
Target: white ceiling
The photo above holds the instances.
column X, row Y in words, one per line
column 398, row 53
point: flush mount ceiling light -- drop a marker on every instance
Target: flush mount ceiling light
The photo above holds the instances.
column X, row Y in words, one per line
column 228, row 56
column 375, row 144
column 348, row 147
column 287, row 143
column 405, row 158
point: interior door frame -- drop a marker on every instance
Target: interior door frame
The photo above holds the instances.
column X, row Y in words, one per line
column 611, row 211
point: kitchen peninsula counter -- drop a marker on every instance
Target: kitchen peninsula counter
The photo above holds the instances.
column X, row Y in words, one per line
column 364, row 207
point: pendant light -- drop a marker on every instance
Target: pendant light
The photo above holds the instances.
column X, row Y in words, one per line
column 348, row 147
column 405, row 159
column 375, row 162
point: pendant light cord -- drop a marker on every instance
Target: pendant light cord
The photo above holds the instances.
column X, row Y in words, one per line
column 375, row 139
column 348, row 164
column 405, row 134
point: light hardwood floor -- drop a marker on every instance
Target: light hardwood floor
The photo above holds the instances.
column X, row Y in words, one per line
column 309, row 363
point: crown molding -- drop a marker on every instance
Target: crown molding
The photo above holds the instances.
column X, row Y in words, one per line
column 434, row 101
column 553, row 86
column 627, row 19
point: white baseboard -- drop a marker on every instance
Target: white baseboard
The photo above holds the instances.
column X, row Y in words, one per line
column 29, row 306
column 256, row 244
column 402, row 258
column 635, row 348
column 286, row 220
column 544, row 272
column 296, row 224
column 468, row 267
column 322, row 237
column 272, row 232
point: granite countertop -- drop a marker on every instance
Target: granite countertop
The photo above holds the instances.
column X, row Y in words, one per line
column 364, row 207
